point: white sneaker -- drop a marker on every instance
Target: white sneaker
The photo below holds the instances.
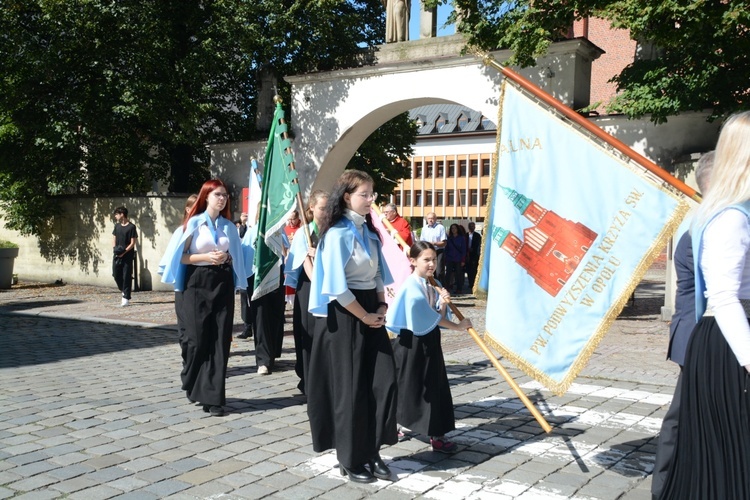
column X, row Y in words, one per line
column 263, row 370
column 125, row 302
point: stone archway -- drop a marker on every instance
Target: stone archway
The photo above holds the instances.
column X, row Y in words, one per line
column 334, row 112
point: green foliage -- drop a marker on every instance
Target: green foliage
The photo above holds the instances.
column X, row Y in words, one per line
column 7, row 244
column 104, row 97
column 385, row 153
column 702, row 47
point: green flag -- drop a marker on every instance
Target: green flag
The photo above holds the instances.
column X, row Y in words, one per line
column 277, row 202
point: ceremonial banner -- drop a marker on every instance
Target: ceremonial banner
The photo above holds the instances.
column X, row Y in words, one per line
column 278, row 200
column 398, row 262
column 253, row 202
column 571, row 228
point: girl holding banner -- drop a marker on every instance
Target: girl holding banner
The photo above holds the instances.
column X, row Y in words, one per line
column 712, row 454
column 425, row 404
column 298, row 270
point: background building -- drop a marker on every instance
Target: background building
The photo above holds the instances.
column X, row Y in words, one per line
column 450, row 169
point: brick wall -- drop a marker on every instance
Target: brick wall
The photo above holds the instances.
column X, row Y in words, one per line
column 619, row 52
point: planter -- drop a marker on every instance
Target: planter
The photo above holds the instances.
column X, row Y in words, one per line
column 7, row 257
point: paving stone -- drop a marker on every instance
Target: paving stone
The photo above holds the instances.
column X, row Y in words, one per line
column 126, row 405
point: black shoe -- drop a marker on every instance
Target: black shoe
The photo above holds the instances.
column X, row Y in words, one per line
column 215, row 411
column 245, row 335
column 357, row 474
column 379, row 469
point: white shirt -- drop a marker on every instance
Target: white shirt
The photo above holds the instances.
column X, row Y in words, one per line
column 203, row 242
column 362, row 271
column 726, row 268
column 434, row 234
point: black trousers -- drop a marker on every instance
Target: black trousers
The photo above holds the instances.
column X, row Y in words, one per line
column 122, row 270
column 268, row 327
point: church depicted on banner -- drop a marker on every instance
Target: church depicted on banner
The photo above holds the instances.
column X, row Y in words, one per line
column 551, row 249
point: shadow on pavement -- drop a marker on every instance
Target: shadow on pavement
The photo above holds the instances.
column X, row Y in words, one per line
column 35, row 304
column 32, row 340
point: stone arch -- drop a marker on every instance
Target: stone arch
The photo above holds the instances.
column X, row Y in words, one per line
column 334, row 112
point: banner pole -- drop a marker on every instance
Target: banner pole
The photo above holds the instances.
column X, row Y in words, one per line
column 300, row 203
column 474, row 335
column 540, row 94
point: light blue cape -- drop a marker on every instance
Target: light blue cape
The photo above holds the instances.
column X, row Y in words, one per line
column 293, row 266
column 411, row 310
column 334, row 251
column 173, row 242
column 700, row 281
column 173, row 271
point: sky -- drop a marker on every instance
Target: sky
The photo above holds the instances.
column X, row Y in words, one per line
column 443, row 13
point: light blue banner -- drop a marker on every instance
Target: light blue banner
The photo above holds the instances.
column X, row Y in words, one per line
column 571, row 229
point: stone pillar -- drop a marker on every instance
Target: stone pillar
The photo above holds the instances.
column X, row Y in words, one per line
column 427, row 21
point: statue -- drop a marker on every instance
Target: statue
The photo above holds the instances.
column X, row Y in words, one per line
column 396, row 20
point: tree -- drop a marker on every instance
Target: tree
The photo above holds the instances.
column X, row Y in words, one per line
column 385, row 157
column 703, row 47
column 105, row 97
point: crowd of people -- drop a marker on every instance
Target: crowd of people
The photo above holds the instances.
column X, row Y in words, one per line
column 367, row 375
column 369, row 372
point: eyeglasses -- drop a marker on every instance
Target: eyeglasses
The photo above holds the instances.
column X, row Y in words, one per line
column 221, row 195
column 368, row 196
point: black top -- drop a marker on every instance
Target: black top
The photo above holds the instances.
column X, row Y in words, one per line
column 123, row 235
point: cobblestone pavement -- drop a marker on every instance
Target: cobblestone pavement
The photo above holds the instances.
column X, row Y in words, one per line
column 90, row 407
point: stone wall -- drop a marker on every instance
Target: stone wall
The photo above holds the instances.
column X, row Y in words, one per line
column 78, row 248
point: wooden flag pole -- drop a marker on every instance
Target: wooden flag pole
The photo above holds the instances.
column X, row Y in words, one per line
column 474, row 335
column 300, row 203
column 543, row 96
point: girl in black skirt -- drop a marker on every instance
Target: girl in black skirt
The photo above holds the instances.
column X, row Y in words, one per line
column 711, row 458
column 298, row 270
column 351, row 390
column 206, row 266
column 418, row 311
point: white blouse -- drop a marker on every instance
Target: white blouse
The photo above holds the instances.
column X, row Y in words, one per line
column 203, row 242
column 726, row 268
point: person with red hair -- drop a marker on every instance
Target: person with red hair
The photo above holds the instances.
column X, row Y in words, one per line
column 207, row 265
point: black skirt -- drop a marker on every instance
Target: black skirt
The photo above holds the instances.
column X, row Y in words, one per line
column 302, row 326
column 351, row 385
column 712, row 454
column 208, row 315
column 425, row 404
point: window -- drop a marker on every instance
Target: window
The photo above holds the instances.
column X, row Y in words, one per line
column 462, row 168
column 451, row 168
column 487, row 123
column 474, row 171
column 407, row 198
column 451, row 198
column 428, row 170
column 463, row 120
column 441, row 122
column 485, row 167
column 472, row 197
column 462, row 197
column 440, row 170
column 418, row 170
column 439, row 198
column 418, row 198
column 485, row 197
column 397, row 198
column 428, row 198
